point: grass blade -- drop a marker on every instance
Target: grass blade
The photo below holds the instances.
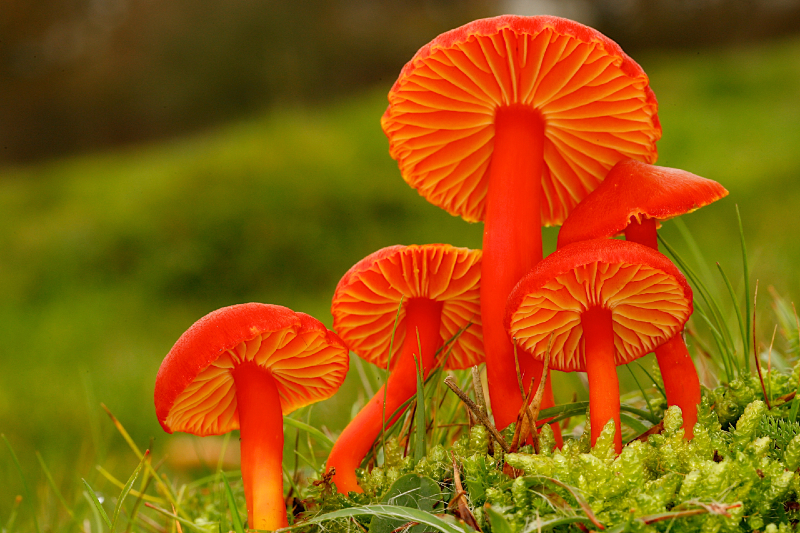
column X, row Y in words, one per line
column 746, row 273
column 308, row 429
column 711, row 303
column 12, row 518
column 641, row 389
column 738, row 310
column 120, row 485
column 146, row 479
column 237, row 520
column 52, row 483
column 165, row 488
column 388, row 373
column 419, row 417
column 637, row 427
column 387, row 511
column 127, row 489
column 652, row 379
column 25, row 489
column 96, row 502
column 177, row 518
column 640, row 413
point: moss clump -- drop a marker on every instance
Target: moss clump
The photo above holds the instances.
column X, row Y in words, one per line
column 737, row 474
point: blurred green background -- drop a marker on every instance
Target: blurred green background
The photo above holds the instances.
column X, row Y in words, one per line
column 158, row 161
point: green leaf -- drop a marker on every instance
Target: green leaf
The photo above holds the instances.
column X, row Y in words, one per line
column 412, row 491
column 497, row 520
column 401, row 514
column 235, row 518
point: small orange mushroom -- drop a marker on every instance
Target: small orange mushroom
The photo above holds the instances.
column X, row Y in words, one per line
column 439, row 287
column 244, row 367
column 513, row 120
column 633, row 199
column 606, row 302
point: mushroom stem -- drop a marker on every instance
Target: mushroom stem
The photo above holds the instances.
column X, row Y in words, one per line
column 261, row 436
column 601, row 369
column 643, row 232
column 681, row 383
column 423, row 319
column 512, row 245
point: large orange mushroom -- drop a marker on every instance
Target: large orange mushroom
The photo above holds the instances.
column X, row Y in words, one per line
column 244, row 367
column 513, row 120
column 606, row 302
column 633, row 199
column 436, row 288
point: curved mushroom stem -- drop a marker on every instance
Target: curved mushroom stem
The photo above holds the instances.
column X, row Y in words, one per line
column 598, row 338
column 261, row 436
column 423, row 319
column 681, row 382
column 512, row 245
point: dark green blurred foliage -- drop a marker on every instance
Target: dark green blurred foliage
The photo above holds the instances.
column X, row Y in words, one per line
column 76, row 75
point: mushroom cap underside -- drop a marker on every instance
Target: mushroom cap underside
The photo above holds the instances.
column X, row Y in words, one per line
column 195, row 392
column 374, row 294
column 648, row 297
column 595, row 100
column 637, row 190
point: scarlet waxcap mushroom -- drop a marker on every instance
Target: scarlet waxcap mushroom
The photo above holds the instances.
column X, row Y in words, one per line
column 606, row 302
column 513, row 120
column 244, row 367
column 637, row 193
column 437, row 288
column 633, row 199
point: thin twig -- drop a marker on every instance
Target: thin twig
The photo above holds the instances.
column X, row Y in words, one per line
column 462, row 509
column 537, row 400
column 516, row 365
column 475, row 410
column 477, row 386
column 522, row 422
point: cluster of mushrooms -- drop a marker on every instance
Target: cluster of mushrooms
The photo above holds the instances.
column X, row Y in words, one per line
column 518, row 122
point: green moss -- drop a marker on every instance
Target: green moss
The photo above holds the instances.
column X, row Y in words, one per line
column 737, row 474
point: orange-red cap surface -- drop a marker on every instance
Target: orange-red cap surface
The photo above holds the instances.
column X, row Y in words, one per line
column 367, row 297
column 194, row 390
column 638, row 190
column 648, row 297
column 596, row 103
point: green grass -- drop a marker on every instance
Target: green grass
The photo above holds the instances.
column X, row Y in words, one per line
column 107, row 258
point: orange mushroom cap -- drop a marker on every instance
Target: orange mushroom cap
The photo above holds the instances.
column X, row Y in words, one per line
column 637, row 190
column 195, row 391
column 595, row 101
column 648, row 297
column 366, row 299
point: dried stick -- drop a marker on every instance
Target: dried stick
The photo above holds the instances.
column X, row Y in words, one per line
column 476, row 411
column 477, row 386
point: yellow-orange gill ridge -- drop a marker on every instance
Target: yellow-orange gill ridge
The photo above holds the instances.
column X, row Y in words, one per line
column 305, row 369
column 440, row 119
column 648, row 307
column 367, row 310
